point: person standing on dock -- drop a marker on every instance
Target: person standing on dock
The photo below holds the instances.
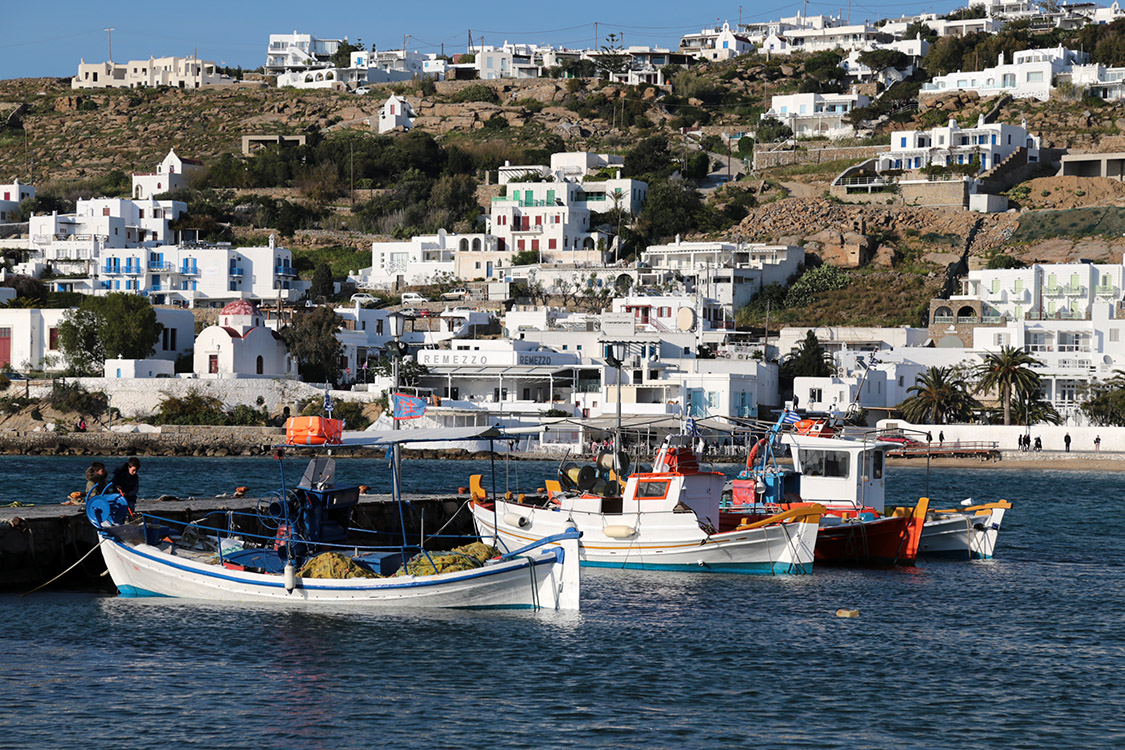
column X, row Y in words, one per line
column 127, row 481
column 1097, row 444
column 1066, row 441
column 941, row 438
column 96, row 478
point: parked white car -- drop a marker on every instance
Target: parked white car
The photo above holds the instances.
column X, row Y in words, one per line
column 363, row 298
column 455, row 294
column 413, row 298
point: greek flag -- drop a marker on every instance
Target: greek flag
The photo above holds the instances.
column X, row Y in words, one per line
column 790, row 417
column 327, row 402
column 692, row 427
column 407, row 407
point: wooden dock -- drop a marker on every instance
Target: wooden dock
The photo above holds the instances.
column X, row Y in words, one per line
column 983, row 451
column 37, row 542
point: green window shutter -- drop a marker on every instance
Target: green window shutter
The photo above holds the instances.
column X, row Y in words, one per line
column 550, row 197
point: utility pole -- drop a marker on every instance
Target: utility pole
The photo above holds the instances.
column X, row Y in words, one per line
column 109, row 35
column 595, row 36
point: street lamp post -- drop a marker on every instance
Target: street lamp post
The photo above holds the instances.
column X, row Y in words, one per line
column 396, row 321
column 617, row 359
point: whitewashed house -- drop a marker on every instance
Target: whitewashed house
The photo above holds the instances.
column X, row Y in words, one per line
column 396, row 113
column 10, row 196
column 718, row 43
column 177, row 72
column 172, row 173
column 29, row 338
column 72, row 244
column 294, row 52
column 731, row 273
column 1030, row 75
column 816, row 115
column 241, row 346
column 991, row 143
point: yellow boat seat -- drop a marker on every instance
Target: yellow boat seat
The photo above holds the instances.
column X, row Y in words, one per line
column 476, row 489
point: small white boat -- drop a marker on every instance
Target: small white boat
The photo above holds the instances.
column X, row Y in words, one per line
column 964, row 533
column 208, row 561
column 546, row 578
column 666, row 519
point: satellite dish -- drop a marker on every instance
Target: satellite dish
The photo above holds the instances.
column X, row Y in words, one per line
column 685, row 319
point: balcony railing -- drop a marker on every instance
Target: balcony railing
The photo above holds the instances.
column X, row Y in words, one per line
column 966, row 318
column 189, row 270
column 534, row 229
column 1106, row 291
column 992, row 320
column 942, row 319
column 133, row 270
column 236, row 273
column 1052, row 291
column 111, row 271
column 285, row 271
column 1074, row 290
column 156, row 265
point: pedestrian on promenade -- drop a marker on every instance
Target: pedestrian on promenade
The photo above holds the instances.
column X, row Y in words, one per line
column 1097, row 444
column 941, row 437
column 1066, row 441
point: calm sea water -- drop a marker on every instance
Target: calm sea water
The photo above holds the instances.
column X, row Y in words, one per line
column 1025, row 651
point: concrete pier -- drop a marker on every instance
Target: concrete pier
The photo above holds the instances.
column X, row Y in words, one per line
column 38, row 542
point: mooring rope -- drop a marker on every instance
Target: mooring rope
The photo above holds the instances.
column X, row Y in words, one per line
column 72, row 567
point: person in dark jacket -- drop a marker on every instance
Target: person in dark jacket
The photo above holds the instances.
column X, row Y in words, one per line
column 127, row 480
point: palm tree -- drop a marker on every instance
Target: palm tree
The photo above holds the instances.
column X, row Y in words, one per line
column 1008, row 371
column 940, row 395
column 1031, row 408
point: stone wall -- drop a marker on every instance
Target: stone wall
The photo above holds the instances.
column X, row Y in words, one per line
column 141, row 397
column 767, row 159
column 953, row 193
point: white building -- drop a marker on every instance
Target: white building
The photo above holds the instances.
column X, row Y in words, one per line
column 915, row 49
column 10, row 196
column 177, row 72
column 29, row 338
column 293, row 52
column 991, row 143
column 825, row 39
column 171, row 174
column 73, row 243
column 552, row 217
column 1030, row 75
column 732, row 273
column 423, row 258
column 396, row 113
column 816, row 115
column 718, row 43
column 241, row 346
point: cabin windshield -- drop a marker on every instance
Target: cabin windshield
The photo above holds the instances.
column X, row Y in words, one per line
column 653, row 488
column 877, row 465
column 815, row 463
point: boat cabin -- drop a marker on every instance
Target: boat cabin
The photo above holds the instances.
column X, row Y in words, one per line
column 839, row 472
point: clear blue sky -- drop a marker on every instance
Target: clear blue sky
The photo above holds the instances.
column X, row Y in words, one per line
column 48, row 37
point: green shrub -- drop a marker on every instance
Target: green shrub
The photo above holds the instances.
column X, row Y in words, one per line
column 73, row 397
column 477, row 92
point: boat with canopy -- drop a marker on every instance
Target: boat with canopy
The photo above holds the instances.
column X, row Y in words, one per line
column 298, row 546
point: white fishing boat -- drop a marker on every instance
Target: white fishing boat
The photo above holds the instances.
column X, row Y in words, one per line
column 210, row 559
column 666, row 519
column 963, row 533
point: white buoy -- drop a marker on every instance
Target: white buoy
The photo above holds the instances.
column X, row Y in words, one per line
column 290, row 578
column 967, row 502
column 619, row 531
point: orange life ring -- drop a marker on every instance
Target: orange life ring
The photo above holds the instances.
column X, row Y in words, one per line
column 754, row 453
